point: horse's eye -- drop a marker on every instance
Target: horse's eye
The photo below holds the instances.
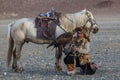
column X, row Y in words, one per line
column 87, row 59
column 82, row 56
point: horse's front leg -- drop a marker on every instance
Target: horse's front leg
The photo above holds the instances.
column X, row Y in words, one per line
column 58, row 56
column 17, row 65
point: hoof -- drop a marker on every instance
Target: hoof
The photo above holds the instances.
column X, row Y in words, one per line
column 14, row 66
column 58, row 68
column 18, row 69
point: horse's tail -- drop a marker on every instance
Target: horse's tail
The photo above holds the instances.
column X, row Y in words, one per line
column 11, row 45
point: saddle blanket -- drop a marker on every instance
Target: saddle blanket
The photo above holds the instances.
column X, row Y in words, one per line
column 47, row 31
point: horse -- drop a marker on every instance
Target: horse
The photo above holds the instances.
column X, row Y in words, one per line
column 24, row 30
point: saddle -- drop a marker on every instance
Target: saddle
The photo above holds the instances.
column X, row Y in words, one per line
column 45, row 26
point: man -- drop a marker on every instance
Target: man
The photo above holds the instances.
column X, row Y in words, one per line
column 77, row 56
column 72, row 50
column 79, row 41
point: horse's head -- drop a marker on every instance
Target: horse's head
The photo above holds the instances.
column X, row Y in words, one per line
column 90, row 22
column 83, row 58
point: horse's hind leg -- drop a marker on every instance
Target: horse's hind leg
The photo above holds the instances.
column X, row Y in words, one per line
column 14, row 65
column 58, row 56
column 17, row 65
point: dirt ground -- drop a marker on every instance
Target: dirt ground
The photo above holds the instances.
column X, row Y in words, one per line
column 38, row 61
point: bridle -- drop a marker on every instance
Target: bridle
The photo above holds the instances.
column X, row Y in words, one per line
column 92, row 22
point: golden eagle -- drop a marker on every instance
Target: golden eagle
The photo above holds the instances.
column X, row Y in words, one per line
column 62, row 40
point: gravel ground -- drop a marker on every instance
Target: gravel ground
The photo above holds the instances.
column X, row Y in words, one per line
column 38, row 62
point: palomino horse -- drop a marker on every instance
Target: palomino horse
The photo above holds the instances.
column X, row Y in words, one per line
column 24, row 30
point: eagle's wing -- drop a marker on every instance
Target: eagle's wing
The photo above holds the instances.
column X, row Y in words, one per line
column 63, row 39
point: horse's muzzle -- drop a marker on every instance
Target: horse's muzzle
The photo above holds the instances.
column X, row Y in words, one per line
column 95, row 30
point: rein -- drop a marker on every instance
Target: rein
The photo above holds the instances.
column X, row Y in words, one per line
column 57, row 23
column 90, row 20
